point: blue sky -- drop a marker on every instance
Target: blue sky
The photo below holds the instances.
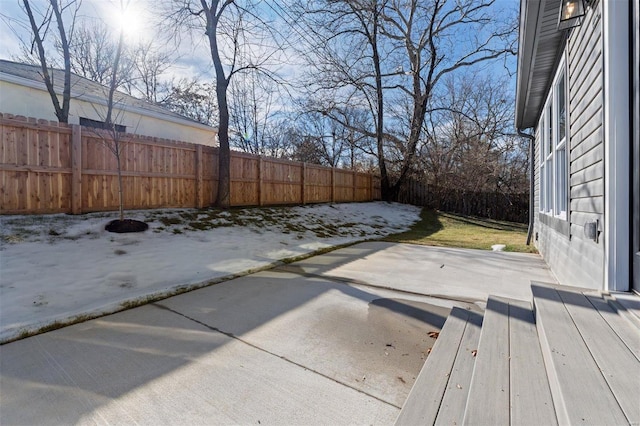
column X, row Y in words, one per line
column 194, row 59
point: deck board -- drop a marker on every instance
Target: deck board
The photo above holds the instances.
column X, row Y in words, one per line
column 579, row 390
column 423, row 402
column 489, row 401
column 625, row 329
column 531, row 401
column 455, row 398
column 618, row 365
column 631, row 304
column 572, row 359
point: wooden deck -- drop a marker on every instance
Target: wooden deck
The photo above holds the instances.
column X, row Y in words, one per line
column 569, row 357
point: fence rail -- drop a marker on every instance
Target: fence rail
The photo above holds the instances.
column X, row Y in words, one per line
column 493, row 205
column 49, row 167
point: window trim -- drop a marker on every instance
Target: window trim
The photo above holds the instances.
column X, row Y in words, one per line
column 560, row 195
column 96, row 124
column 554, row 200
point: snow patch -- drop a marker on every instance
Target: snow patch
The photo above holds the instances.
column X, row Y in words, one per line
column 60, row 267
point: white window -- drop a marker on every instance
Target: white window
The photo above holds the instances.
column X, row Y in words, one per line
column 554, row 181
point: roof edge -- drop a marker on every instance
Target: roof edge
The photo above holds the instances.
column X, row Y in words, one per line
column 529, row 17
column 38, row 85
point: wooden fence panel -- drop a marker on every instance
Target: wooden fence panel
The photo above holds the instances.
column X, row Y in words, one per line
column 317, row 184
column 363, row 187
column 245, row 180
column 344, row 186
column 155, row 173
column 281, row 182
column 46, row 167
column 210, row 175
column 36, row 165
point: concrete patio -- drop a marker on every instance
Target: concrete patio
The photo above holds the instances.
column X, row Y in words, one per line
column 335, row 339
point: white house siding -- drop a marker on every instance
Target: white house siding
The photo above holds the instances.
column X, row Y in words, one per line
column 31, row 102
column 574, row 259
column 20, row 100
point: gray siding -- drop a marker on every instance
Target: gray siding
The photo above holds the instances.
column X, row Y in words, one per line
column 573, row 259
column 536, row 171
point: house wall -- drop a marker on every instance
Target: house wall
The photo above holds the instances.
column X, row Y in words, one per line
column 30, row 102
column 573, row 258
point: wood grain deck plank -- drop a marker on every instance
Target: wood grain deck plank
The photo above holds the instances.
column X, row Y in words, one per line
column 615, row 361
column 531, row 401
column 627, row 330
column 425, row 397
column 455, row 397
column 489, row 392
column 628, row 306
column 580, row 392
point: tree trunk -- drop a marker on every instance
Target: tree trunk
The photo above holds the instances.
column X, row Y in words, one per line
column 66, row 94
column 120, row 195
column 385, row 192
column 222, row 83
column 62, row 112
column 224, row 154
column 112, row 127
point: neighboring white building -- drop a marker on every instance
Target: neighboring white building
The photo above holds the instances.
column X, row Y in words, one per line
column 23, row 92
column 578, row 90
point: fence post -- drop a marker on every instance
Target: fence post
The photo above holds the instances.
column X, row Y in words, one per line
column 76, row 169
column 333, row 185
column 199, row 178
column 304, row 173
column 355, row 185
column 370, row 187
column 260, row 179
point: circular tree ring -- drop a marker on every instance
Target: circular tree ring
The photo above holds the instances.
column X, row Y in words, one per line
column 126, row 225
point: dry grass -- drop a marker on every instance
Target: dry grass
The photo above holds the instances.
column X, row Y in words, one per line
column 451, row 230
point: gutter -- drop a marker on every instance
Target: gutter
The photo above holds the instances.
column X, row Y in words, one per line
column 531, row 181
column 530, row 19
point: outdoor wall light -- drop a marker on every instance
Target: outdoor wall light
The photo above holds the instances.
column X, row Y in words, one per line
column 571, row 13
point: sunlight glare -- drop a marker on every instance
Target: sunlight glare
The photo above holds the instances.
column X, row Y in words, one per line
column 129, row 19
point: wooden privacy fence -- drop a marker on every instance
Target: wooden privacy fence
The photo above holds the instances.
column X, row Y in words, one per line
column 493, row 205
column 49, row 167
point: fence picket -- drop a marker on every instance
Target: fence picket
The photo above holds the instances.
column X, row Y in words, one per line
column 493, row 205
column 47, row 167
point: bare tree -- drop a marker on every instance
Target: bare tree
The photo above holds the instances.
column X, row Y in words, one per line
column 112, row 136
column 39, row 28
column 230, row 26
column 115, row 142
column 192, row 99
column 323, row 140
column 140, row 66
column 339, row 144
column 148, row 64
column 391, row 55
column 470, row 144
column 280, row 137
column 92, row 53
column 344, row 48
column 251, row 105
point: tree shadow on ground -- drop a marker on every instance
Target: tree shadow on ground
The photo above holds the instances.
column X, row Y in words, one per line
column 428, row 225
